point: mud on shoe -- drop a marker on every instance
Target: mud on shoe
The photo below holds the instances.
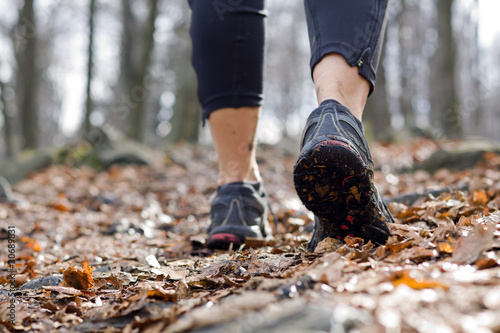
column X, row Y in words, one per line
column 333, row 177
column 239, row 210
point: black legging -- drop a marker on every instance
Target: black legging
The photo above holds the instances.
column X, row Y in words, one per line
column 228, row 44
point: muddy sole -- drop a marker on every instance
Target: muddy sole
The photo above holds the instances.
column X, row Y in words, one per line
column 334, row 184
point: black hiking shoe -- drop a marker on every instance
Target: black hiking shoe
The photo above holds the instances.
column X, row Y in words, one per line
column 334, row 178
column 239, row 210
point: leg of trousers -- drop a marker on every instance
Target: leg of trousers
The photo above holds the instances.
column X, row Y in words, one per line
column 228, row 52
column 352, row 28
column 228, row 39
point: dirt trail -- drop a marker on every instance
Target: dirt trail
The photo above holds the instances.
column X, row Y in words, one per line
column 124, row 250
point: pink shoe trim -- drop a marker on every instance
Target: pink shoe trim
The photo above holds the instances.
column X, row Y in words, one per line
column 229, row 238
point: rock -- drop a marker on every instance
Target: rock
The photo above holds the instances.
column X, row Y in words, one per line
column 109, row 158
column 126, row 226
column 463, row 156
column 6, row 194
column 292, row 290
column 16, row 170
column 53, row 280
column 410, row 198
column 110, row 147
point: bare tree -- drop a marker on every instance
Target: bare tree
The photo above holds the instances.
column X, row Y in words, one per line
column 468, row 69
column 27, row 74
column 408, row 20
column 7, row 124
column 139, row 89
column 443, row 97
column 377, row 113
column 476, row 64
column 185, row 121
column 90, row 66
column 287, row 74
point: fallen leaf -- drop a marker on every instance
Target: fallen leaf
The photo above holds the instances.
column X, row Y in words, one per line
column 162, row 294
column 469, row 248
column 404, row 277
column 31, row 243
column 61, row 207
column 485, row 263
column 417, row 254
column 445, row 247
column 29, row 269
column 79, row 278
column 328, row 245
column 21, row 279
column 254, row 243
column 395, row 248
column 479, row 198
column 354, row 241
column 63, row 290
column 182, row 290
column 49, row 305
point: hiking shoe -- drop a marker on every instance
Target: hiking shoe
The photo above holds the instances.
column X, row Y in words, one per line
column 239, row 210
column 333, row 177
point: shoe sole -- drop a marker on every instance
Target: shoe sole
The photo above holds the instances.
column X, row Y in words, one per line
column 333, row 182
column 223, row 236
column 223, row 241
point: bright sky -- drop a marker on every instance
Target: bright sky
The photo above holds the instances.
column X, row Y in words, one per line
column 489, row 23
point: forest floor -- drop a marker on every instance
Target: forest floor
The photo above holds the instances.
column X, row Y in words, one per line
column 124, row 250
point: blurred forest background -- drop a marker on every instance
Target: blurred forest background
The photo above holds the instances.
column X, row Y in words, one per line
column 69, row 66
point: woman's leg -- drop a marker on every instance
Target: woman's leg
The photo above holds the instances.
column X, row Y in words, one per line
column 233, row 134
column 353, row 30
column 335, row 79
column 228, row 55
column 334, row 173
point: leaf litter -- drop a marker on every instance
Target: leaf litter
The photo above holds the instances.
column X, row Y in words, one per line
column 123, row 250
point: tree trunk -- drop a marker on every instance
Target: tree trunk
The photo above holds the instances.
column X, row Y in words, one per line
column 443, row 92
column 139, row 91
column 185, row 120
column 476, row 56
column 7, row 124
column 408, row 12
column 28, row 76
column 377, row 107
column 90, row 66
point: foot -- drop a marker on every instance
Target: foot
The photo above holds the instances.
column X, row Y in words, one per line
column 334, row 178
column 239, row 210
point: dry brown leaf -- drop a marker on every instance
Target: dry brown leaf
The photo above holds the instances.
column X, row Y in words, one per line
column 397, row 208
column 394, row 248
column 479, row 198
column 405, row 277
column 328, row 245
column 255, row 243
column 79, row 278
column 162, row 294
column 469, row 248
column 31, row 243
column 182, row 289
column 62, row 207
column 445, row 247
column 63, row 290
column 21, row 279
column 354, row 241
column 49, row 305
column 418, row 253
column 485, row 263
column 29, row 269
